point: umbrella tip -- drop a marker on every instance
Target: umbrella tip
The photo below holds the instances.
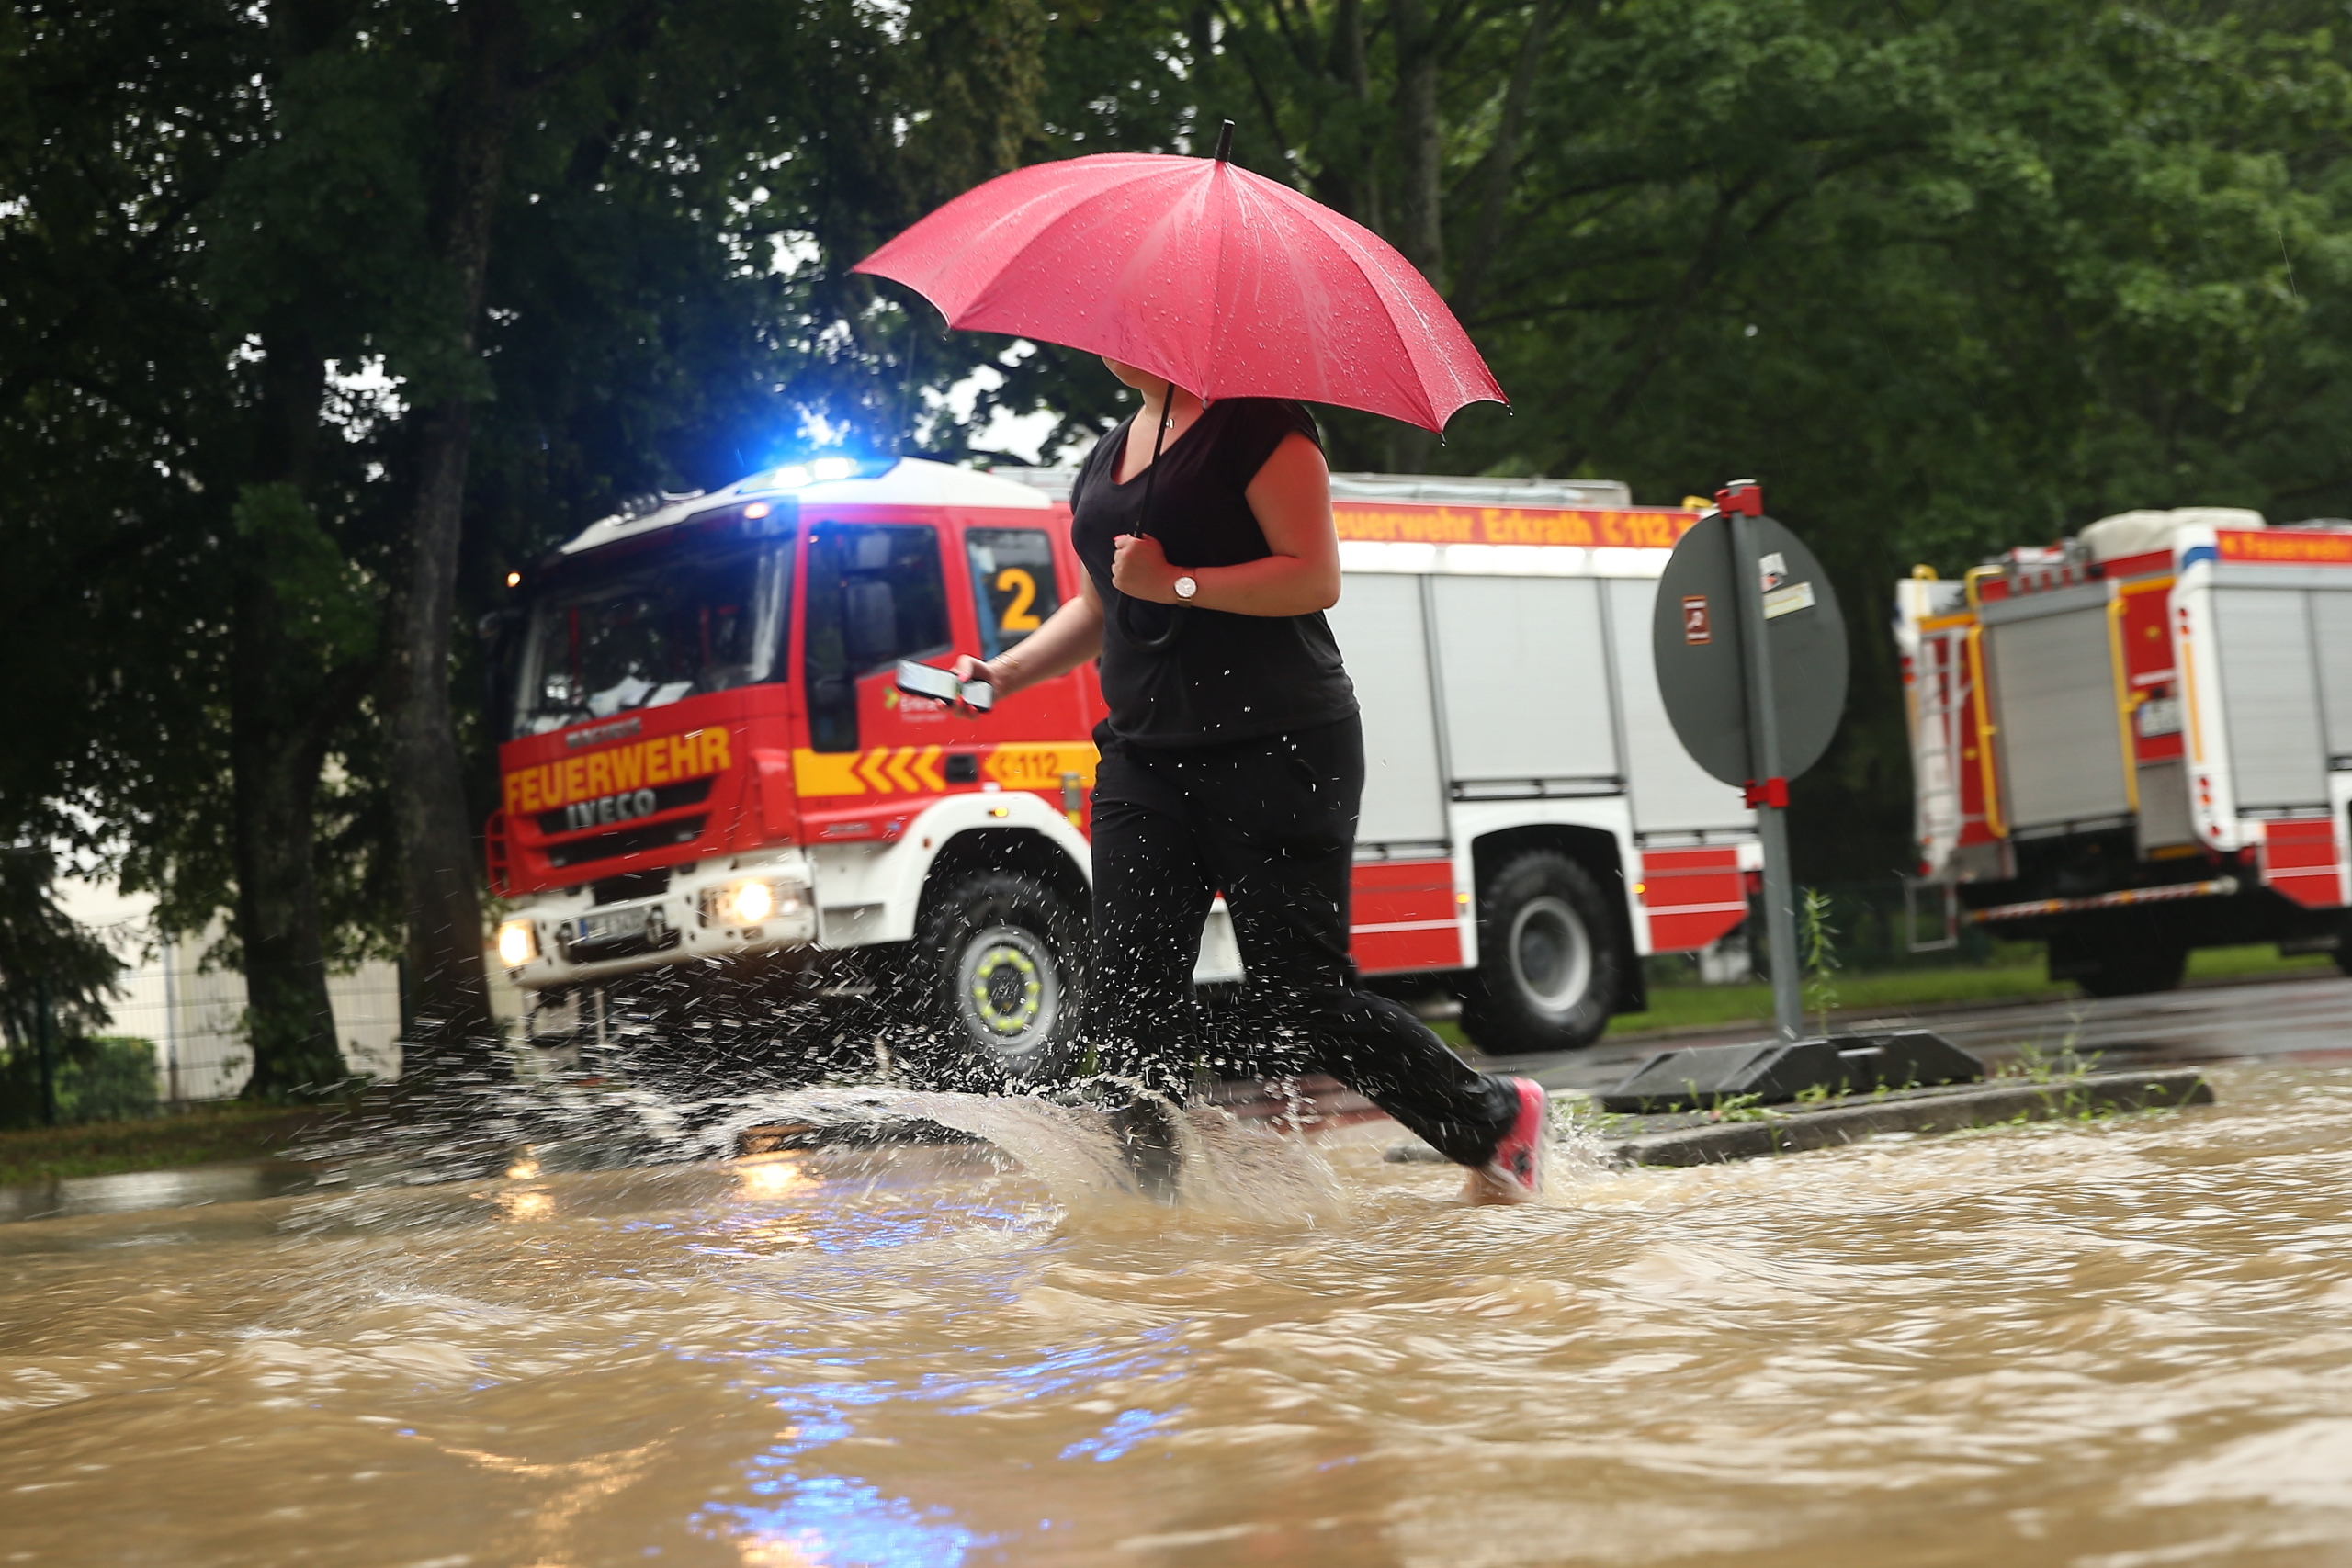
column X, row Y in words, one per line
column 1225, row 142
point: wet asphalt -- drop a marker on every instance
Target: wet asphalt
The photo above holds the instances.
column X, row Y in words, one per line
column 2307, row 1017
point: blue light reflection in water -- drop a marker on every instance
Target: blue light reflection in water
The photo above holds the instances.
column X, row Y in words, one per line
column 1126, row 1430
column 836, row 1521
column 809, row 1512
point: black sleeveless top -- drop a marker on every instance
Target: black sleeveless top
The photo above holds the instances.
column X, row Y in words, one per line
column 1227, row 677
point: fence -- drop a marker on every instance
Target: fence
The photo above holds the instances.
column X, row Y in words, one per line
column 195, row 1017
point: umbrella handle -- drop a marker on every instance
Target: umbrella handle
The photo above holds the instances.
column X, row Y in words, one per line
column 1124, row 611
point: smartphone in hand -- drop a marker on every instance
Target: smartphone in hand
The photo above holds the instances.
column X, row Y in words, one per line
column 924, row 681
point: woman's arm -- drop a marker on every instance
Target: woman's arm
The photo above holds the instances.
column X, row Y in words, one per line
column 1071, row 636
column 1291, row 500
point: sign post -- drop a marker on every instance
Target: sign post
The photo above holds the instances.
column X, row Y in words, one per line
column 1751, row 661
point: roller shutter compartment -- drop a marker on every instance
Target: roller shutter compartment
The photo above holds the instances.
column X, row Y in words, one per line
column 1378, row 623
column 2050, row 671
column 2270, row 691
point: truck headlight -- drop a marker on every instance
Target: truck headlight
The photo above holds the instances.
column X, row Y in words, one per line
column 749, row 903
column 518, row 944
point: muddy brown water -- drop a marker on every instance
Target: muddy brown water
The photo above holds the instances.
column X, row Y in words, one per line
column 2107, row 1345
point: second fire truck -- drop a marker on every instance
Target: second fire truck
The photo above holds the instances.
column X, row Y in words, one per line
column 2139, row 741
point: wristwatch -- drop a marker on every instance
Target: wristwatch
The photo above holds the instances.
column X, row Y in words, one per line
column 1186, row 586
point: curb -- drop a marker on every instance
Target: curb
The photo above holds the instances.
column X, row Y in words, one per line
column 1929, row 1111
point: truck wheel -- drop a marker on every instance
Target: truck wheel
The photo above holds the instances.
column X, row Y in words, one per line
column 2133, row 971
column 1004, row 956
column 1549, row 963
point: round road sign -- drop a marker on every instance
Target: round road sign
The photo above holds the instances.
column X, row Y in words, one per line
column 1701, row 647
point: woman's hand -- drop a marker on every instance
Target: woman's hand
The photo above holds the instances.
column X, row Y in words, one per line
column 1071, row 636
column 970, row 668
column 1139, row 568
column 1291, row 498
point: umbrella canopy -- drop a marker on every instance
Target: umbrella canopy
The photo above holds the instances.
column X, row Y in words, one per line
column 1220, row 280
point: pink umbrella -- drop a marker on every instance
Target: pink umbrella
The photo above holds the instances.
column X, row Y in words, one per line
column 1218, row 279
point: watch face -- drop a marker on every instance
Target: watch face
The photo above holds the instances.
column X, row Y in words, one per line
column 1186, row 588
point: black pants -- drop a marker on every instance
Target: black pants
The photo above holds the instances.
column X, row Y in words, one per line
column 1270, row 823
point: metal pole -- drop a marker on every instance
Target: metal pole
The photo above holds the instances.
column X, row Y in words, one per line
column 172, row 1021
column 43, row 1031
column 1770, row 790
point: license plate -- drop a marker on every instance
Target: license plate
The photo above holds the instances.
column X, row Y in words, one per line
column 615, row 925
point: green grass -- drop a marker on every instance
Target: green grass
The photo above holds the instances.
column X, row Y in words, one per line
column 1683, row 1007
column 1894, row 991
column 2212, row 963
column 201, row 1137
column 1679, row 1007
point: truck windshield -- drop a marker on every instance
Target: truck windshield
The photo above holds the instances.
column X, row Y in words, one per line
column 644, row 632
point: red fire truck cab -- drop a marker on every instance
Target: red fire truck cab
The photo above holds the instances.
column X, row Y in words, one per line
column 711, row 786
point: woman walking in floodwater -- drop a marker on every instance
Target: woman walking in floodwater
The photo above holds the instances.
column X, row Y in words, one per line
column 1232, row 762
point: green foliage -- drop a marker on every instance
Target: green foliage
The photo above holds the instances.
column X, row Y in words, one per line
column 102, row 1078
column 1817, row 938
column 1945, row 278
column 46, row 960
column 226, row 295
column 202, row 1134
column 329, row 608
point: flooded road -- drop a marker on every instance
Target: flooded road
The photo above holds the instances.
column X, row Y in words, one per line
column 2107, row 1345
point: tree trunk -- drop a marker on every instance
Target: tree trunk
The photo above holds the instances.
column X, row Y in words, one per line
column 289, row 1021
column 1501, row 161
column 451, row 1033
column 1351, row 65
column 280, row 693
column 451, row 1028
column 1418, row 233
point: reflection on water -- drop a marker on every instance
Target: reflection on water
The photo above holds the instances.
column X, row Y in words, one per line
column 2116, row 1346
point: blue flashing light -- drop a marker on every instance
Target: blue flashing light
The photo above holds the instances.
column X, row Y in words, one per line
column 814, row 472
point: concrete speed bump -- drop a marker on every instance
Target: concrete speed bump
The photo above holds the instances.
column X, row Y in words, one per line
column 1705, row 1138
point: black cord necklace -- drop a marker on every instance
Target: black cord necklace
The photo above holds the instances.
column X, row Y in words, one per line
column 1124, row 611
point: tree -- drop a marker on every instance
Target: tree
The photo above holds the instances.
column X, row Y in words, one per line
column 1946, row 280
column 272, row 277
column 47, row 963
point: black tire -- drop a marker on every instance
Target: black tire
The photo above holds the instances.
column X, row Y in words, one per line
column 1551, row 962
column 2344, row 945
column 1001, row 960
column 2133, row 971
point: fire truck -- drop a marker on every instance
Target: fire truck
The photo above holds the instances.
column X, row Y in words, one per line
column 2138, row 741
column 711, row 786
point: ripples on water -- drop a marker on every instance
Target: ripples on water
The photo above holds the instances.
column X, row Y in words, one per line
column 2109, row 1346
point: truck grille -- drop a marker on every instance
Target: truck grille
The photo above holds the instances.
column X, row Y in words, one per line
column 630, row 884
column 621, row 807
column 628, row 841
